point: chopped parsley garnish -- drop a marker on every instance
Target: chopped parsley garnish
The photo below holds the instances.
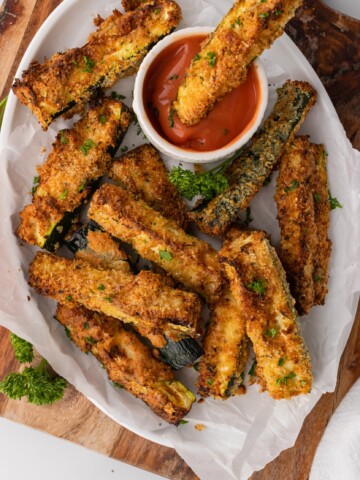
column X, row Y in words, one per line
column 165, row 255
column 108, row 299
column 68, row 332
column 252, row 369
column 264, row 15
column 248, row 218
column 294, row 185
column 102, row 119
column 205, row 184
column 303, row 382
column 64, row 194
column 89, row 64
column 334, row 202
column 196, row 366
column 317, row 198
column 174, row 77
column 317, row 278
column 69, row 298
column 157, row 11
column 36, row 181
column 124, row 149
column 272, row 332
column 117, row 96
column 86, row 325
column 183, row 422
column 101, row 287
column 209, row 381
column 117, row 385
column 278, row 12
column 212, row 58
column 90, row 340
column 237, row 21
column 82, row 186
column 197, row 57
column 281, row 362
column 171, row 118
column 284, row 380
column 63, row 139
column 257, row 286
column 86, row 146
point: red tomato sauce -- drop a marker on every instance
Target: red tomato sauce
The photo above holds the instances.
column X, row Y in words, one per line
column 229, row 118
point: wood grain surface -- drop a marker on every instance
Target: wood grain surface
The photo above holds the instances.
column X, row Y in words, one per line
column 331, row 42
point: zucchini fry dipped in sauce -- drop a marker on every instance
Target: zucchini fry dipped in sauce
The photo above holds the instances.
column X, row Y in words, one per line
column 128, row 362
column 221, row 370
column 80, row 156
column 244, row 33
column 258, row 283
column 137, row 299
column 249, row 171
column 301, row 192
column 99, row 248
column 143, row 173
column 71, row 79
column 189, row 260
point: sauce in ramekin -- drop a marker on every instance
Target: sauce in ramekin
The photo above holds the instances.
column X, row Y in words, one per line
column 230, row 118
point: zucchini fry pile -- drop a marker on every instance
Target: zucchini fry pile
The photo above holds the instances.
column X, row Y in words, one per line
column 69, row 80
column 248, row 172
column 303, row 213
column 244, row 33
column 258, row 283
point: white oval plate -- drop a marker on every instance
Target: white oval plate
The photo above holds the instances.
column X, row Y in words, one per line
column 243, row 433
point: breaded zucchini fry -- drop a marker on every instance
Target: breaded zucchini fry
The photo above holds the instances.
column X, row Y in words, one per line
column 140, row 299
column 100, row 249
column 191, row 261
column 295, row 203
column 128, row 361
column 320, row 190
column 258, row 282
column 249, row 27
column 221, row 370
column 143, row 173
column 70, row 79
column 249, row 171
column 80, row 156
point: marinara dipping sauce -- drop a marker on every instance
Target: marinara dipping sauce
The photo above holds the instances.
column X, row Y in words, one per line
column 229, row 118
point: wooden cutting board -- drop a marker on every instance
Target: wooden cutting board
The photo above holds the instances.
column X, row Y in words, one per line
column 331, row 42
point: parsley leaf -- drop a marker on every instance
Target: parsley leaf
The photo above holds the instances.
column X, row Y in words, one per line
column 334, row 202
column 183, row 422
column 294, row 185
column 165, row 255
column 272, row 332
column 23, row 350
column 63, row 139
column 257, row 286
column 212, row 58
column 87, row 145
column 89, row 64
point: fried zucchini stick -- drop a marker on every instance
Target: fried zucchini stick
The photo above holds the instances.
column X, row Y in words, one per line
column 226, row 346
column 189, row 260
column 249, row 171
column 128, row 362
column 244, row 33
column 71, row 79
column 320, row 190
column 295, row 203
column 141, row 299
column 143, row 173
column 258, row 283
column 79, row 157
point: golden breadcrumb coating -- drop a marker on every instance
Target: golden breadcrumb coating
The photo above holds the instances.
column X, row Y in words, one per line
column 248, row 172
column 79, row 157
column 244, row 33
column 191, row 261
column 70, row 79
column 128, row 362
column 143, row 173
column 226, row 349
column 138, row 299
column 258, row 283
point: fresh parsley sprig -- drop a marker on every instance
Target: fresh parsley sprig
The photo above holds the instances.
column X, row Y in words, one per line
column 205, row 184
column 39, row 384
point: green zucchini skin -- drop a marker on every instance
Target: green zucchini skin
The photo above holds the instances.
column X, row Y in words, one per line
column 181, row 353
column 248, row 172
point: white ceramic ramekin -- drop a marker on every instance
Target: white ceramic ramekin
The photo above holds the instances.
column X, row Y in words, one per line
column 162, row 144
